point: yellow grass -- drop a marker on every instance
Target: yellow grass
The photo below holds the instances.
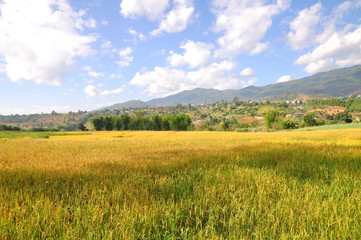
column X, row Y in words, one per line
column 182, row 185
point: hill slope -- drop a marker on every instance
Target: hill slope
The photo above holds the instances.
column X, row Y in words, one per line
column 128, row 104
column 337, row 82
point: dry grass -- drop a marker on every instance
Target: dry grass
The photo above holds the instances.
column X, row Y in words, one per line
column 182, row 185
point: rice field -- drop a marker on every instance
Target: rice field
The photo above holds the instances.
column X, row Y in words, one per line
column 182, row 185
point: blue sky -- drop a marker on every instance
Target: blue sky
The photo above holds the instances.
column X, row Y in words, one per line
column 66, row 55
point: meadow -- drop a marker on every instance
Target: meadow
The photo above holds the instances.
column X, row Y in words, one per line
column 182, row 185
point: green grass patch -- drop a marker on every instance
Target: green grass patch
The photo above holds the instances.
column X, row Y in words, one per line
column 15, row 134
column 333, row 127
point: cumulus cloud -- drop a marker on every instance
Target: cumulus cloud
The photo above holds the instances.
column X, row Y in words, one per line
column 165, row 81
column 248, row 77
column 177, row 19
column 92, row 91
column 196, row 54
column 284, row 78
column 92, row 73
column 152, row 9
column 126, row 57
column 137, row 36
column 247, row 72
column 303, row 31
column 244, row 24
column 340, row 50
column 335, row 47
column 40, row 39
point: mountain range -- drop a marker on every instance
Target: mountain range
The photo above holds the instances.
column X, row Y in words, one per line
column 338, row 82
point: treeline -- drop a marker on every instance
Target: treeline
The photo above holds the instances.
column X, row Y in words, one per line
column 177, row 122
column 34, row 129
column 9, row 128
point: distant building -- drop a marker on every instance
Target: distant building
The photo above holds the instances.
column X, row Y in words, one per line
column 342, row 98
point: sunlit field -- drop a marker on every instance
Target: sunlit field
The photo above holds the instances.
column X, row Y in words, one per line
column 182, row 185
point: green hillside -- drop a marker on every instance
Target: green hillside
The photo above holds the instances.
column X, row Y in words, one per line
column 125, row 105
column 337, row 82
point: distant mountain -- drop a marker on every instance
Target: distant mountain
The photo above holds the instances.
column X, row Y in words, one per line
column 333, row 83
column 128, row 104
column 337, row 82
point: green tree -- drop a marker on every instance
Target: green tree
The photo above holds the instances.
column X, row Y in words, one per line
column 81, row 127
column 121, row 122
column 289, row 124
column 179, row 122
column 310, row 119
column 165, row 123
column 157, row 122
column 343, row 117
column 271, row 117
column 98, row 123
column 108, row 123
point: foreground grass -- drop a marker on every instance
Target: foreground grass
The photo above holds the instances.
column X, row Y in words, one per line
column 189, row 185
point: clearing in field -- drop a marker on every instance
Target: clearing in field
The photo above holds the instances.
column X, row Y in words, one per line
column 182, row 185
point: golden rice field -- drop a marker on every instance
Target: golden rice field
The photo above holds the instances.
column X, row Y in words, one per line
column 182, row 185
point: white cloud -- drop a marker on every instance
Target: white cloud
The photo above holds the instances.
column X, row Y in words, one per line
column 92, row 73
column 244, row 24
column 196, row 54
column 106, row 45
column 104, row 22
column 248, row 77
column 40, row 39
column 2, row 67
column 92, row 91
column 137, row 36
column 114, row 75
column 335, row 48
column 152, row 9
column 165, row 81
column 95, row 74
column 126, row 57
column 284, row 78
column 303, row 32
column 247, row 72
column 91, row 23
column 177, row 19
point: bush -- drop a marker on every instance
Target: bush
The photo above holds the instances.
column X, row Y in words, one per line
column 289, row 124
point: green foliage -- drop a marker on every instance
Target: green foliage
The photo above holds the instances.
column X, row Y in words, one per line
column 271, row 117
column 82, row 127
column 177, row 122
column 40, row 129
column 355, row 105
column 98, row 123
column 9, row 128
column 343, row 117
column 108, row 123
column 222, row 126
column 289, row 124
column 310, row 119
